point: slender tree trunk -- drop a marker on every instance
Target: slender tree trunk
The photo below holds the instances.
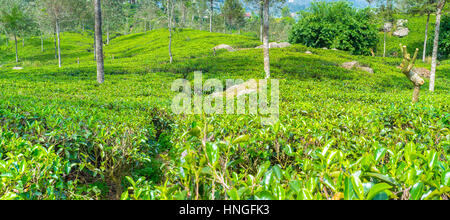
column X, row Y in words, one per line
column 183, row 15
column 99, row 42
column 107, row 35
column 211, row 13
column 436, row 44
column 170, row 11
column 169, row 16
column 261, row 16
column 55, row 41
column 426, row 39
column 42, row 44
column 384, row 44
column 23, row 42
column 95, row 52
column 7, row 39
column 17, row 53
column 266, row 39
column 59, row 42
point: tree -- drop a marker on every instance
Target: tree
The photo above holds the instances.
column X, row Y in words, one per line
column 56, row 11
column 112, row 14
column 422, row 7
column 99, row 42
column 440, row 6
column 336, row 25
column 170, row 7
column 444, row 38
column 149, row 13
column 211, row 13
column 15, row 22
column 266, row 39
column 407, row 69
column 234, row 13
column 386, row 12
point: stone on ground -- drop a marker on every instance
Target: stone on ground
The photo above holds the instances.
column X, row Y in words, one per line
column 423, row 72
column 248, row 87
column 355, row 65
column 401, row 32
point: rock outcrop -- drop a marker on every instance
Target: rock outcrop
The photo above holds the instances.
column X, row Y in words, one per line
column 401, row 32
column 224, row 47
column 423, row 72
column 248, row 87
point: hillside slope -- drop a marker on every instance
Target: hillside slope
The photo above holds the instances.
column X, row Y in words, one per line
column 415, row 38
column 337, row 129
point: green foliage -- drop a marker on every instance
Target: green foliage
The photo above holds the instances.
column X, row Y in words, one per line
column 234, row 13
column 342, row 134
column 444, row 38
column 16, row 20
column 336, row 25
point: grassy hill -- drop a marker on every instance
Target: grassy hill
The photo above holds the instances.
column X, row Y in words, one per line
column 415, row 38
column 342, row 133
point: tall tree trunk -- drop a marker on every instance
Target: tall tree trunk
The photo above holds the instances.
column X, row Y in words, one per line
column 261, row 16
column 59, row 42
column 183, row 13
column 23, row 42
column 42, row 44
column 170, row 11
column 17, row 53
column 107, row 35
column 266, row 39
column 384, row 44
column 436, row 44
column 211, row 14
column 55, row 41
column 99, row 42
column 426, row 39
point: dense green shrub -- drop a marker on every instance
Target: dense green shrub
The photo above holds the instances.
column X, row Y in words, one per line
column 336, row 25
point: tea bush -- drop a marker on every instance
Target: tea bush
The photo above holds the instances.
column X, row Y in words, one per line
column 342, row 134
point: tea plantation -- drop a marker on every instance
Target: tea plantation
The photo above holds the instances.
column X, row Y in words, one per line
column 342, row 134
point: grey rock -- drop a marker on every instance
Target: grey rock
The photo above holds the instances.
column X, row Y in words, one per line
column 224, row 47
column 355, row 65
column 423, row 72
column 401, row 32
